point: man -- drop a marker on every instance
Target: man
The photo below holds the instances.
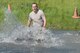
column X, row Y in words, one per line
column 36, row 17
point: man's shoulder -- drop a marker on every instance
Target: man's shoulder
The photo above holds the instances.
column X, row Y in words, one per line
column 31, row 13
column 40, row 10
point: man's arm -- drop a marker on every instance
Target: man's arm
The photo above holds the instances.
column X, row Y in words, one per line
column 44, row 19
column 29, row 22
column 44, row 22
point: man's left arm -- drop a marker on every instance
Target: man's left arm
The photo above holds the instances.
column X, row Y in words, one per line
column 44, row 19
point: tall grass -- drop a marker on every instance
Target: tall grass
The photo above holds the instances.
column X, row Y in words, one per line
column 58, row 12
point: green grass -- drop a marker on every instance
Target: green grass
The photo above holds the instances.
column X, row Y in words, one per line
column 58, row 12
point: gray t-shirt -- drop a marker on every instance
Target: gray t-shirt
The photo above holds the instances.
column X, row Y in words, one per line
column 37, row 18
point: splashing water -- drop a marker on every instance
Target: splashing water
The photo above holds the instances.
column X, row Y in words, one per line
column 14, row 32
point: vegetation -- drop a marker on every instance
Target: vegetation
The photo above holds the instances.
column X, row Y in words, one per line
column 58, row 12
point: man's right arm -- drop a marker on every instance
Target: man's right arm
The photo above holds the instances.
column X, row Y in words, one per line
column 29, row 21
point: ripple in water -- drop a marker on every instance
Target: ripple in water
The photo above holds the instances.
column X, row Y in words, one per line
column 14, row 32
column 33, row 37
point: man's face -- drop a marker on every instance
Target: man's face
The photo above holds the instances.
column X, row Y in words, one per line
column 34, row 7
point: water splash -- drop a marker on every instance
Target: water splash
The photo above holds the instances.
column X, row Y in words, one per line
column 14, row 32
column 9, row 24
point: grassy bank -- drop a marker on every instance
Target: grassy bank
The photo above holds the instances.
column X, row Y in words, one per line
column 58, row 12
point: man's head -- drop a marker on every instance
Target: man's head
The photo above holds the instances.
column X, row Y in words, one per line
column 34, row 7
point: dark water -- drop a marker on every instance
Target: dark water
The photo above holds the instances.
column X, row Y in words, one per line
column 11, row 48
column 71, row 45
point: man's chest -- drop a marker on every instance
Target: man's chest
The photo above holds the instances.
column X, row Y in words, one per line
column 36, row 16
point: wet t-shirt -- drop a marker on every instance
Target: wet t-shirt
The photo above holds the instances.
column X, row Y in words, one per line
column 37, row 18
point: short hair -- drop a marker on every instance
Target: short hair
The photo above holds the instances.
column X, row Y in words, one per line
column 35, row 3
